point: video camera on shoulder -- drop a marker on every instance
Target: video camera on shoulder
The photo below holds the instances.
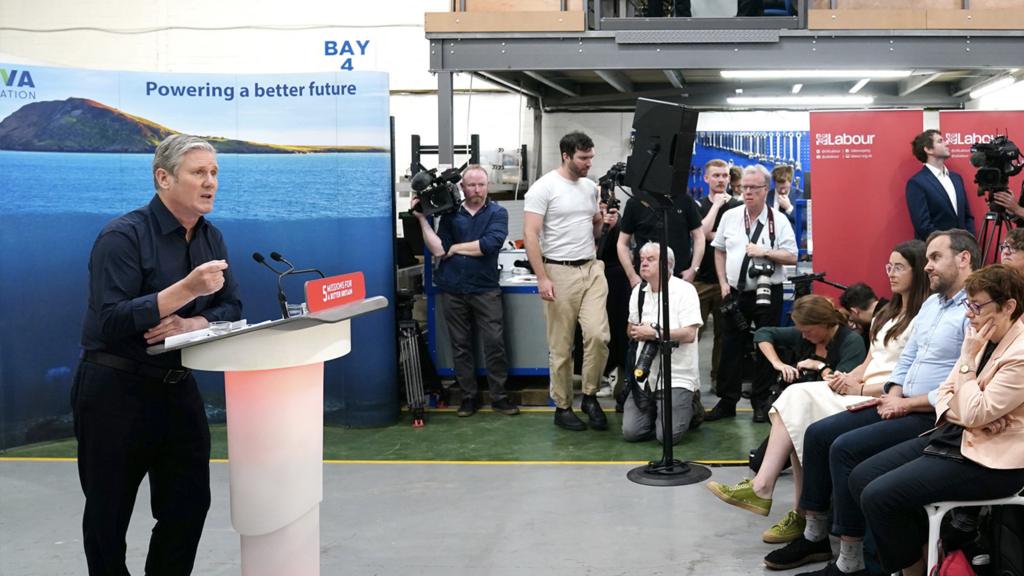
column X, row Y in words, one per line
column 437, row 193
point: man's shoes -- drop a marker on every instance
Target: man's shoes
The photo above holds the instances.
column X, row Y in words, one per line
column 721, row 410
column 831, row 569
column 741, row 496
column 467, row 408
column 505, row 407
column 566, row 418
column 595, row 415
column 799, row 552
column 760, row 414
column 786, row 530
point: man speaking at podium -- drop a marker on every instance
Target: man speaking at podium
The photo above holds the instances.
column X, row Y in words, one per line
column 157, row 271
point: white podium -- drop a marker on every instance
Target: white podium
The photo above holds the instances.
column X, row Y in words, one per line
column 274, row 389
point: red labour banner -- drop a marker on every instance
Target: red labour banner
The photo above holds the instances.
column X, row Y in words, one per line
column 861, row 162
column 963, row 129
column 334, row 291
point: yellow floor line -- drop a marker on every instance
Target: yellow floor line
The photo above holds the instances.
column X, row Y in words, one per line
column 448, row 462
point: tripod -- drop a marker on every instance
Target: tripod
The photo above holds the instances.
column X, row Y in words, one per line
column 992, row 230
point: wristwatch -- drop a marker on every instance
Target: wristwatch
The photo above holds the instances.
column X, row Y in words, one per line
column 965, row 368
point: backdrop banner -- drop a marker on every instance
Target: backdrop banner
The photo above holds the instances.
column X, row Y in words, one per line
column 862, row 161
column 965, row 128
column 304, row 171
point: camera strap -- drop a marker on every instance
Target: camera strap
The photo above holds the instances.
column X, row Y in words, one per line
column 741, row 284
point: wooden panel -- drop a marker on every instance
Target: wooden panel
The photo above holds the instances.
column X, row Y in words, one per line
column 865, row 19
column 974, row 19
column 504, row 21
column 991, row 4
column 521, row 5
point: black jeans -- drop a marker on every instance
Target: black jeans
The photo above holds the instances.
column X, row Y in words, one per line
column 737, row 348
column 128, row 426
column 463, row 312
column 835, row 445
column 893, row 486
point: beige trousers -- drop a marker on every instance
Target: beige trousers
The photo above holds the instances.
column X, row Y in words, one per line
column 580, row 295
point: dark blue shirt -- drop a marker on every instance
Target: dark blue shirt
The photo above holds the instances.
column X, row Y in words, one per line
column 472, row 274
column 136, row 256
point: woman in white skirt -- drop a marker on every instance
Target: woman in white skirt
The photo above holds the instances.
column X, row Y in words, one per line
column 802, row 404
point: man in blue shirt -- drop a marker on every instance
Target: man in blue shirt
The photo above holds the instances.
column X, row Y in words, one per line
column 155, row 272
column 835, row 445
column 466, row 246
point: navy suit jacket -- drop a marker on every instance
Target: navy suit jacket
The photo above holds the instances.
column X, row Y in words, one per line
column 929, row 205
column 770, row 201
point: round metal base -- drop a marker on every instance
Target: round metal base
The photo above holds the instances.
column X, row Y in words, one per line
column 675, row 474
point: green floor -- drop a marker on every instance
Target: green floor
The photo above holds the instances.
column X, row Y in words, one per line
column 489, row 436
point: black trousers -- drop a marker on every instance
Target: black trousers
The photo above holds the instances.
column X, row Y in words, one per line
column 737, row 348
column 463, row 312
column 129, row 426
column 893, row 487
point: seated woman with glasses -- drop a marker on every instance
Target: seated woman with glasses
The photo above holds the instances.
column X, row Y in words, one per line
column 802, row 404
column 1011, row 250
column 976, row 451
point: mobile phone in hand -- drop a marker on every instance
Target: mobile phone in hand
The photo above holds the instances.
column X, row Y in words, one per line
column 862, row 405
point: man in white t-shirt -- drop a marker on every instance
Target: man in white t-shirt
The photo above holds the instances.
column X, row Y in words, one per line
column 561, row 222
column 644, row 326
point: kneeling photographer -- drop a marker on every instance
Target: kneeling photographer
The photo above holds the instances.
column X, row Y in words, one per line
column 751, row 247
column 641, row 417
column 819, row 343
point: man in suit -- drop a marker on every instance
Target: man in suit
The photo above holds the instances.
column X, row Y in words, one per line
column 936, row 198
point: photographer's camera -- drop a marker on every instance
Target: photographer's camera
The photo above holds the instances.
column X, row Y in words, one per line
column 762, row 272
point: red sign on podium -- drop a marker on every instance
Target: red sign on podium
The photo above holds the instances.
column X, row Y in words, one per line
column 334, row 291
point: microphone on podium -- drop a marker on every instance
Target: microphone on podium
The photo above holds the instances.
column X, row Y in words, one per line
column 282, row 300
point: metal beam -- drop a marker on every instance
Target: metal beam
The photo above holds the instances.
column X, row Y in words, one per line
column 967, row 85
column 616, row 80
column 675, row 78
column 909, row 85
column 552, row 83
column 508, row 84
column 445, row 119
column 593, row 52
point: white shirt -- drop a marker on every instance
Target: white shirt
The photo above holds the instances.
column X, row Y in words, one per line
column 947, row 183
column 684, row 310
column 568, row 209
column 732, row 238
column 883, row 357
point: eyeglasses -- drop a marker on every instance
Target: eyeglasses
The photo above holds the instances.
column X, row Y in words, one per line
column 1005, row 247
column 975, row 308
column 895, row 268
column 752, row 188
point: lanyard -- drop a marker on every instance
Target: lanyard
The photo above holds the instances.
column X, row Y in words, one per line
column 771, row 225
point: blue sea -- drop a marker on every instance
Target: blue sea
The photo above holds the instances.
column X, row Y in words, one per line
column 331, row 211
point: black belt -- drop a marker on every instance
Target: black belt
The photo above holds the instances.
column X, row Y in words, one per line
column 575, row 263
column 165, row 375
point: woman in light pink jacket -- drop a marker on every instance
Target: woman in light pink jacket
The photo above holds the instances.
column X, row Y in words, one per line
column 976, row 451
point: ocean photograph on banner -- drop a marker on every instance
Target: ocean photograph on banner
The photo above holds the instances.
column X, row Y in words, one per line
column 304, row 171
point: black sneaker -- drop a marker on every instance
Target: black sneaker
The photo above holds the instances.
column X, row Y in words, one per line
column 595, row 415
column 720, row 411
column 760, row 414
column 505, row 407
column 797, row 553
column 566, row 418
column 467, row 408
column 831, row 569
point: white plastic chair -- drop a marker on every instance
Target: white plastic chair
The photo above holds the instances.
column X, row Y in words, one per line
column 937, row 510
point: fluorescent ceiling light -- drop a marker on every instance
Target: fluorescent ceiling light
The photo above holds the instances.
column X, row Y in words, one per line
column 797, row 88
column 784, row 74
column 800, row 100
column 862, row 83
column 991, row 87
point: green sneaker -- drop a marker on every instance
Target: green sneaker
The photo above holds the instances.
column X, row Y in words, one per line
column 742, row 496
column 786, row 530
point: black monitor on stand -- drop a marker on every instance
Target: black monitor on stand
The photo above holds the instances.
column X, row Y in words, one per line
column 660, row 163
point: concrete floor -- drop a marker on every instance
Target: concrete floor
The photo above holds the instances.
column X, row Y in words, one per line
column 401, row 519
column 427, row 519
